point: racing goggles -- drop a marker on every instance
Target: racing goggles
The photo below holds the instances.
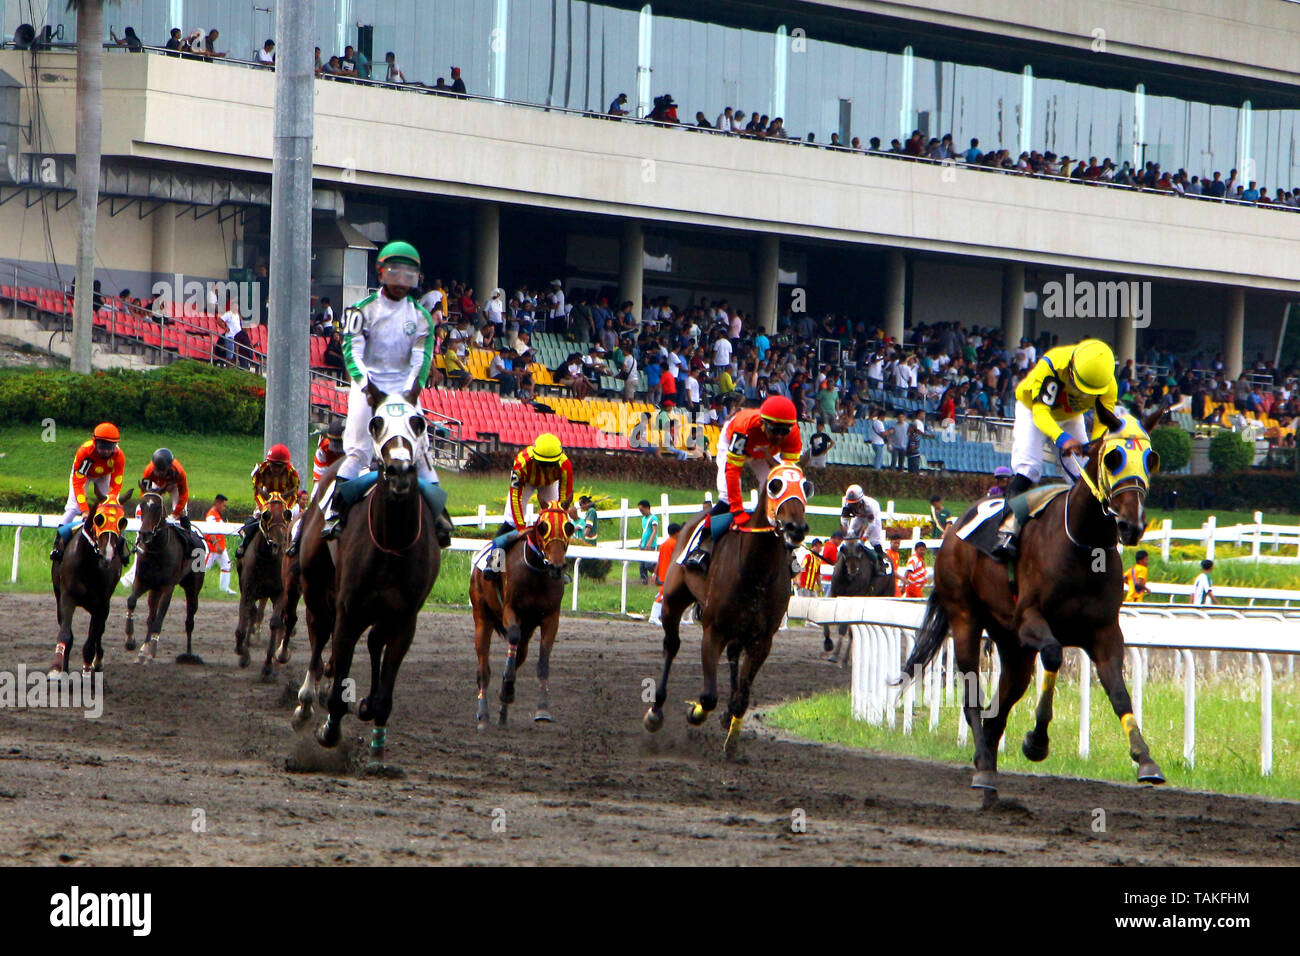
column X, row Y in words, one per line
column 399, row 273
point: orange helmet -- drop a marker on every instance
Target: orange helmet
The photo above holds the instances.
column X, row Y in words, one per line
column 278, row 453
column 107, row 431
column 779, row 409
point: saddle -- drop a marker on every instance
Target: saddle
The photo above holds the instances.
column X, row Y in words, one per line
column 979, row 525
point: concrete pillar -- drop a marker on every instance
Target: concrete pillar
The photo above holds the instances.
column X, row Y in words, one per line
column 631, row 265
column 162, row 259
column 487, row 249
column 1126, row 337
column 1234, row 332
column 895, row 293
column 767, row 279
column 1013, row 304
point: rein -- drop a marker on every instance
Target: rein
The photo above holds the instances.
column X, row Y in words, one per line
column 1104, row 497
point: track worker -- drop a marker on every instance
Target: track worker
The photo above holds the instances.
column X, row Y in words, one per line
column 217, row 544
column 758, row 436
column 1051, row 400
column 101, row 462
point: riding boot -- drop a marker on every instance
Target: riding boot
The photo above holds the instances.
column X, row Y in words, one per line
column 57, row 553
column 882, row 562
column 698, row 559
column 334, row 520
column 1007, row 548
column 444, row 529
column 292, row 550
column 245, row 533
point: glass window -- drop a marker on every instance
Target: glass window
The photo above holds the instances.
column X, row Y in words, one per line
column 1078, row 121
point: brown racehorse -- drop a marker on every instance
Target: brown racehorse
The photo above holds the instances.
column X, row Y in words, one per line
column 387, row 561
column 742, row 599
column 528, row 597
column 166, row 556
column 86, row 576
column 855, row 575
column 310, row 575
column 1070, row 587
column 261, row 579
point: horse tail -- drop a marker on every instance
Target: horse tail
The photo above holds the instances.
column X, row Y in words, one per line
column 929, row 639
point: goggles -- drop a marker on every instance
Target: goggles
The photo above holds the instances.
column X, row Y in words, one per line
column 400, row 274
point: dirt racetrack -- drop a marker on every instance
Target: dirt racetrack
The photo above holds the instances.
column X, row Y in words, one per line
column 591, row 788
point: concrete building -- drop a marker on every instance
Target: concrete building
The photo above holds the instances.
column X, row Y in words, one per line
column 526, row 180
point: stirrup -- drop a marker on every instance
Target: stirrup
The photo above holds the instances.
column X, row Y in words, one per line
column 697, row 560
column 1007, row 548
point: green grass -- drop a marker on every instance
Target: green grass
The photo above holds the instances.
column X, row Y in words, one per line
column 1227, row 758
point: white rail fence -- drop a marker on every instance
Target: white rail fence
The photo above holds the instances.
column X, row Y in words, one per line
column 884, row 632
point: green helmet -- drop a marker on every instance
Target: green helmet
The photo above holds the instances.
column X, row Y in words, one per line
column 400, row 252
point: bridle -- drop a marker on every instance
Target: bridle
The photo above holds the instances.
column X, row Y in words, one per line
column 1105, row 490
column 145, row 538
column 552, row 525
column 112, row 503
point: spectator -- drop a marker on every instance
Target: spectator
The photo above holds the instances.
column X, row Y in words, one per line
column 175, row 43
column 501, row 370
column 619, row 105
column 819, row 446
column 1203, row 587
column 457, row 84
column 333, row 358
column 914, row 436
column 266, row 55
column 393, row 73
column 210, row 46
column 898, row 442
column 129, row 40
column 649, row 536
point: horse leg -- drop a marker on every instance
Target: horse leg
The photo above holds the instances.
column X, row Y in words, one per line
column 966, row 643
column 192, row 589
column 67, row 606
column 342, row 648
column 698, row 711
column 1108, row 654
column 1035, row 633
column 375, row 642
column 159, row 600
column 130, row 612
column 381, row 693
column 508, row 677
column 289, row 619
column 755, row 655
column 92, row 653
column 483, row 651
column 244, row 628
column 842, row 646
column 674, row 606
column 827, row 644
column 733, row 658
column 550, row 628
column 274, row 625
column 317, row 635
column 1017, row 671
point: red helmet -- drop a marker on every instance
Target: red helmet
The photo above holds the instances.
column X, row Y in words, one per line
column 278, row 453
column 779, row 409
column 107, row 431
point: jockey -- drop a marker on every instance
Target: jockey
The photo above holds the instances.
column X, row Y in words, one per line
column 539, row 468
column 860, row 520
column 165, row 476
column 1001, row 474
column 100, row 461
column 328, row 451
column 754, row 435
column 1050, row 403
column 387, row 343
column 275, row 475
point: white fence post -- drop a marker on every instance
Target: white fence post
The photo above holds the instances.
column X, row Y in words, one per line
column 1259, row 533
column 623, row 529
column 482, row 517
column 623, row 599
column 577, row 562
column 1189, row 707
column 1085, row 704
column 1166, row 528
column 1265, row 716
column 18, row 544
column 1209, row 537
column 663, row 521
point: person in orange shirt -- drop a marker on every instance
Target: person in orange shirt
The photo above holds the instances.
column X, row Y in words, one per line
column 101, row 462
column 661, row 569
column 165, row 476
column 916, row 573
column 217, row 544
column 1136, row 579
column 895, row 563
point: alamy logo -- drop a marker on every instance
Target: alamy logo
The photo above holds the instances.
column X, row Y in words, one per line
column 77, row 909
column 178, row 291
column 35, row 691
column 1086, row 299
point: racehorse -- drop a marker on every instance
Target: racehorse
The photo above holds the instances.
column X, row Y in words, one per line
column 86, row 576
column 1067, row 593
column 742, row 599
column 167, row 556
column 261, row 579
column 529, row 596
column 856, row 574
column 385, row 569
column 310, row 575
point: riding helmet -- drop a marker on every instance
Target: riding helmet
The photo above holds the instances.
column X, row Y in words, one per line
column 278, row 453
column 547, row 448
column 1093, row 364
column 399, row 252
column 779, row 409
column 163, row 459
column 107, row 431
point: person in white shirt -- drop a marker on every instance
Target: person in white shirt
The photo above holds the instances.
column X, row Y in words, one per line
column 631, row 376
column 1202, row 587
column 556, row 300
column 721, row 354
column 266, row 55
column 395, row 74
column 902, row 376
column 495, row 308
column 433, row 299
column 231, row 320
column 692, row 391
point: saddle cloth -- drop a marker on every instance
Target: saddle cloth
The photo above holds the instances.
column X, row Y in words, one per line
column 718, row 526
column 979, row 525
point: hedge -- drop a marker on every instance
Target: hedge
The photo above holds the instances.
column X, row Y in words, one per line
column 185, row 396
column 1173, row 445
column 1229, row 452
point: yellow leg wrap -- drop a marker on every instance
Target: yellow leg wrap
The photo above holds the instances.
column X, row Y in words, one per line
column 736, row 724
column 1049, row 682
column 698, row 710
column 1129, row 723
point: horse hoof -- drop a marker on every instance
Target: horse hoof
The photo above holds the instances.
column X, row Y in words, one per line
column 130, row 644
column 244, row 659
column 985, row 780
column 1149, row 772
column 828, row 645
column 327, row 734
column 377, row 768
column 363, row 709
column 301, row 714
column 482, row 723
column 1033, row 750
column 282, row 656
column 695, row 713
column 653, row 720
column 267, row 676
column 542, row 717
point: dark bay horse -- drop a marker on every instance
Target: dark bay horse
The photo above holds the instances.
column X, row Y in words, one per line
column 386, row 563
column 261, row 580
column 86, row 576
column 855, row 574
column 742, row 599
column 529, row 597
column 310, row 575
column 1070, row 587
column 166, row 556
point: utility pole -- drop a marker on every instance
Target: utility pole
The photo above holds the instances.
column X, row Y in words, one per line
column 288, row 377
